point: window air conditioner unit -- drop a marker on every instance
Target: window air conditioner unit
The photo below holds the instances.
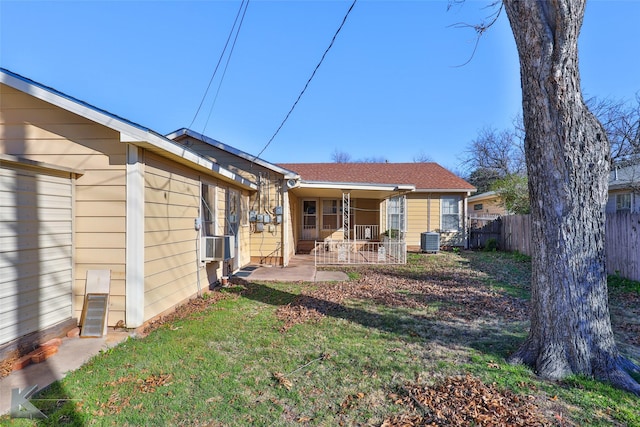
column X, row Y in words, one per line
column 429, row 242
column 212, row 248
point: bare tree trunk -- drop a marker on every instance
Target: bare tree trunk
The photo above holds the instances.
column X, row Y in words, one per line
column 567, row 161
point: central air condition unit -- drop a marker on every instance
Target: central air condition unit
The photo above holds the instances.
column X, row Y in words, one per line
column 429, row 242
column 212, row 248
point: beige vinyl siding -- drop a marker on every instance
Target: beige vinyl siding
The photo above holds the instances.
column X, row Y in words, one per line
column 236, row 164
column 100, row 231
column 172, row 202
column 266, row 246
column 423, row 214
column 492, row 207
column 487, row 205
column 36, row 130
column 36, row 268
column 221, row 210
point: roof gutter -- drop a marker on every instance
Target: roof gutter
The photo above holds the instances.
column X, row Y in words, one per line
column 447, row 190
column 356, row 186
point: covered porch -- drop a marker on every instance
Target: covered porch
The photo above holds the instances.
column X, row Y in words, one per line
column 343, row 225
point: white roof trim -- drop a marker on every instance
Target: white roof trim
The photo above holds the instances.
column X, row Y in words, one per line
column 21, row 161
column 232, row 150
column 355, row 186
column 482, row 195
column 446, row 190
column 129, row 132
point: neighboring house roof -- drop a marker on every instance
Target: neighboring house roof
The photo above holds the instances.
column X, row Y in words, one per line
column 129, row 131
column 236, row 152
column 624, row 178
column 483, row 196
column 422, row 176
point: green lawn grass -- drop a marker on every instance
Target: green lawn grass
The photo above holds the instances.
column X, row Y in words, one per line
column 233, row 364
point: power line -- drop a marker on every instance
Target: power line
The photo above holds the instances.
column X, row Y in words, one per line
column 224, row 73
column 242, row 4
column 308, row 81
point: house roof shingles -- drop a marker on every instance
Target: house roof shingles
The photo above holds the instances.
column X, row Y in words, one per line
column 424, row 176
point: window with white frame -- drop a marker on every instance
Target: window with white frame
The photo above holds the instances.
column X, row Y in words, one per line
column 623, row 202
column 331, row 214
column 208, row 210
column 450, row 213
column 395, row 216
column 244, row 210
column 233, row 212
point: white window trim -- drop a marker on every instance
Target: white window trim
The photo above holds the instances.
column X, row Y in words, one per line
column 213, row 207
column 442, row 214
column 630, row 200
column 232, row 194
column 338, row 213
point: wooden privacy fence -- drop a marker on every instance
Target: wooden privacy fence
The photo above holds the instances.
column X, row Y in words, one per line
column 622, row 240
column 516, row 234
column 623, row 245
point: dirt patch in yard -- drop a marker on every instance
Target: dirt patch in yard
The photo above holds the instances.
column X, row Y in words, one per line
column 462, row 298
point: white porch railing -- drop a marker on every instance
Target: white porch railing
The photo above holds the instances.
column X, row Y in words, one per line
column 331, row 252
column 366, row 232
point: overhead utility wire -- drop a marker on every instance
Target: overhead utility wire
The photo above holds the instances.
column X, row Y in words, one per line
column 308, row 81
column 242, row 4
column 226, row 65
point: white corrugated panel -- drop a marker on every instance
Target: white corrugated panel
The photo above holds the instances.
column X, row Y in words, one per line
column 36, row 241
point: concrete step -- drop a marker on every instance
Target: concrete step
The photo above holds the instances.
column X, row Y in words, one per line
column 305, row 246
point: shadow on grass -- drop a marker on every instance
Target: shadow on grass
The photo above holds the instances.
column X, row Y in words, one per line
column 496, row 339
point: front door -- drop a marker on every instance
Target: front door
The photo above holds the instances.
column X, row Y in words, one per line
column 309, row 220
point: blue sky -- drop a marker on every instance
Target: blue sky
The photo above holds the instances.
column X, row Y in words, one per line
column 390, row 87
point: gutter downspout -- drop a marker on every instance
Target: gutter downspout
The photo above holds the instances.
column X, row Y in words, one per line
column 429, row 212
column 464, row 222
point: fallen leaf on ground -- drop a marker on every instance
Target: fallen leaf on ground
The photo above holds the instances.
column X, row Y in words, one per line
column 282, row 380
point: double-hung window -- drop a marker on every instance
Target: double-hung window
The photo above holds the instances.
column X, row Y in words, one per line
column 208, row 209
column 395, row 216
column 623, row 202
column 450, row 213
column 331, row 214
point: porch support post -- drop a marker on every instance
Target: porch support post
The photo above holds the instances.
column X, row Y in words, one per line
column 287, row 227
column 346, row 211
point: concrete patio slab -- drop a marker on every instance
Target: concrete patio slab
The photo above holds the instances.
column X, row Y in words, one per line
column 301, row 268
column 72, row 354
